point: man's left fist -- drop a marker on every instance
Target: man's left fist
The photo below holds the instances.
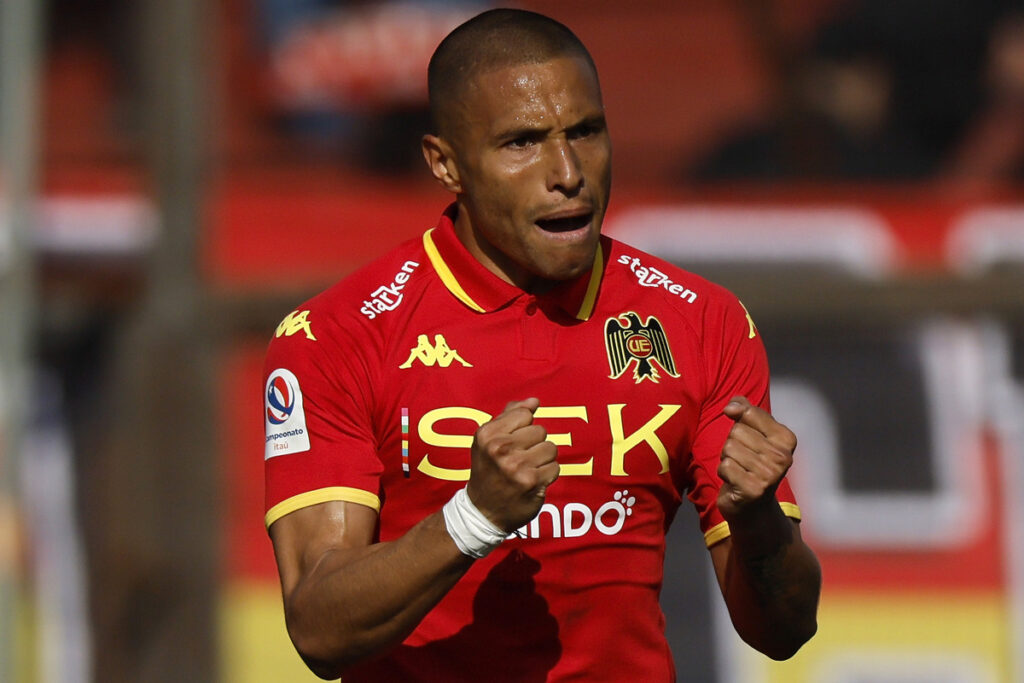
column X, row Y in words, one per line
column 755, row 458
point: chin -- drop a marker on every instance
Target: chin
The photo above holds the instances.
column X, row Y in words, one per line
column 559, row 267
column 568, row 271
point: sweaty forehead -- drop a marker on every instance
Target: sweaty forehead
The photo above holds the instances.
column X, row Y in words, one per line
column 527, row 93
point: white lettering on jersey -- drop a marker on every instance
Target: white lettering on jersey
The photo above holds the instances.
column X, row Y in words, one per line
column 649, row 276
column 578, row 519
column 388, row 297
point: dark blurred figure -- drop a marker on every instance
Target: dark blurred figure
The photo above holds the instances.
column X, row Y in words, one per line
column 835, row 124
column 884, row 93
column 94, row 79
column 991, row 150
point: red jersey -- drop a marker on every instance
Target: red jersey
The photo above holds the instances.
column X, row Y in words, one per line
column 374, row 391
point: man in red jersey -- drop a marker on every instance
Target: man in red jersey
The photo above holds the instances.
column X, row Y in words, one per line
column 475, row 444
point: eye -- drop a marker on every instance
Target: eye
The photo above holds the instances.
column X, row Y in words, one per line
column 579, row 132
column 585, row 130
column 523, row 141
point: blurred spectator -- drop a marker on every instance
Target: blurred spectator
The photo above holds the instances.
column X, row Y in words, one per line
column 94, row 69
column 992, row 148
column 835, row 124
column 349, row 78
column 936, row 49
column 885, row 93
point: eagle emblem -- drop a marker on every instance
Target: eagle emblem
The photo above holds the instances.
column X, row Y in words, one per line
column 628, row 341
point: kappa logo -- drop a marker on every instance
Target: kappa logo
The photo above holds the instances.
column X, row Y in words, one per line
column 294, row 322
column 637, row 342
column 438, row 354
column 652, row 277
column 388, row 297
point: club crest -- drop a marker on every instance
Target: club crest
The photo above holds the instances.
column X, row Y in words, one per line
column 631, row 342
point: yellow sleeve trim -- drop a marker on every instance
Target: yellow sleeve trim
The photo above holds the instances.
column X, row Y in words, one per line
column 587, row 307
column 791, row 510
column 445, row 273
column 305, row 500
column 721, row 530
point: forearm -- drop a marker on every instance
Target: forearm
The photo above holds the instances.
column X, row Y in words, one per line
column 357, row 602
column 772, row 582
column 348, row 598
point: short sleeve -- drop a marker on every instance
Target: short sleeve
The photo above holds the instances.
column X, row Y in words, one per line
column 317, row 413
column 737, row 365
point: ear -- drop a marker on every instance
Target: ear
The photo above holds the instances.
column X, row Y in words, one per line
column 441, row 162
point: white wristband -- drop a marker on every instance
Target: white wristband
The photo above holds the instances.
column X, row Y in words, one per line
column 472, row 532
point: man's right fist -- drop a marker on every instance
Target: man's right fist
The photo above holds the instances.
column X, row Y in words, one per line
column 512, row 466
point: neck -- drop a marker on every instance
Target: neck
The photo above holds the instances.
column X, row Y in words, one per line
column 494, row 260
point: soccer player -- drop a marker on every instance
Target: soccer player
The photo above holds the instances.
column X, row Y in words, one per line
column 476, row 443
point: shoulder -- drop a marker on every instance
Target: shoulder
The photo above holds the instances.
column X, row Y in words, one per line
column 361, row 307
column 693, row 310
column 377, row 289
column 641, row 274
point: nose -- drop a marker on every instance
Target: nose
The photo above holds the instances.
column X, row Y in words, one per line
column 564, row 172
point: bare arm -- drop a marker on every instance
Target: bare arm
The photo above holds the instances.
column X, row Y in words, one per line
column 769, row 577
column 347, row 598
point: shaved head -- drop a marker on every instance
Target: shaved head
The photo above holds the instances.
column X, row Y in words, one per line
column 492, row 40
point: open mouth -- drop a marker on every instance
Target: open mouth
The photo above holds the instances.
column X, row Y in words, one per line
column 566, row 224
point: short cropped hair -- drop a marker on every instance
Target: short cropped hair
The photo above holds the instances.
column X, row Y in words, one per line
column 491, row 40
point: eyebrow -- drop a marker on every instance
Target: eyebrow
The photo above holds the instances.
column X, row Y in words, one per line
column 596, row 120
column 521, row 131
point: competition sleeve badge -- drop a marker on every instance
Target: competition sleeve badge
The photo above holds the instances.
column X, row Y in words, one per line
column 629, row 341
column 284, row 416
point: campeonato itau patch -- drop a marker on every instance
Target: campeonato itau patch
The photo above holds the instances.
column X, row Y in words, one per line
column 284, row 416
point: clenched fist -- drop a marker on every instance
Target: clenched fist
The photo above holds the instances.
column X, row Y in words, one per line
column 512, row 466
column 755, row 458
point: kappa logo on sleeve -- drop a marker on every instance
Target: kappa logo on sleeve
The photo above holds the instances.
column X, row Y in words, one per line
column 294, row 322
column 284, row 416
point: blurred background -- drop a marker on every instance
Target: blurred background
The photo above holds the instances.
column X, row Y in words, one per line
column 176, row 176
